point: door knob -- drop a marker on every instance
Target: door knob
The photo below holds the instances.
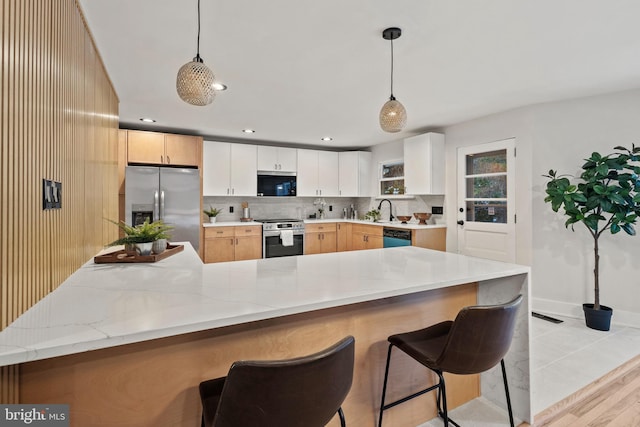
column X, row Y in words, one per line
column 461, row 222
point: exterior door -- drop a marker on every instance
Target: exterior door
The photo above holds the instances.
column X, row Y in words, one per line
column 486, row 201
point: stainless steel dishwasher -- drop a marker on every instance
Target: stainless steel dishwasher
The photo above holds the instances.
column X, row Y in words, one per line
column 392, row 237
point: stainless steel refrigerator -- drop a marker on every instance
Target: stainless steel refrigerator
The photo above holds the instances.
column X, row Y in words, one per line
column 169, row 194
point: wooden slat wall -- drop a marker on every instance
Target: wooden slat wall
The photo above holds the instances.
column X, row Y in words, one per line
column 59, row 121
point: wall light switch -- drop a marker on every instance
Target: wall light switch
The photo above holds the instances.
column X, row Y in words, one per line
column 46, row 195
column 437, row 210
column 51, row 194
column 56, row 193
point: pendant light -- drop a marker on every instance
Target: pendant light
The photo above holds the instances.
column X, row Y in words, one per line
column 195, row 80
column 393, row 116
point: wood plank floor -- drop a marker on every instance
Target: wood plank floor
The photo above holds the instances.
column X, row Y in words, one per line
column 611, row 401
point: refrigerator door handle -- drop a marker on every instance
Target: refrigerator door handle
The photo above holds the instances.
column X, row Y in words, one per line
column 156, row 206
column 162, row 205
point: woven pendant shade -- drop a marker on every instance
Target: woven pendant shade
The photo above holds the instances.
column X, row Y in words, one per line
column 393, row 116
column 195, row 83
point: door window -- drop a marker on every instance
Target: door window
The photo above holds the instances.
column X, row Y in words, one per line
column 486, row 187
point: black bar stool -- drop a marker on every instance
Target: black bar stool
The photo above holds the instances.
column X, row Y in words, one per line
column 301, row 392
column 475, row 342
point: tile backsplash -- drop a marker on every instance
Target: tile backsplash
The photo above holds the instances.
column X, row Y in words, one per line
column 302, row 207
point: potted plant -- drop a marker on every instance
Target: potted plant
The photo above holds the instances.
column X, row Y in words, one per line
column 606, row 196
column 372, row 215
column 320, row 203
column 212, row 213
column 145, row 238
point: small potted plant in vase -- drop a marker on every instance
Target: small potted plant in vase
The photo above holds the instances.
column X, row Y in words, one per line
column 606, row 196
column 145, row 238
column 372, row 215
column 212, row 213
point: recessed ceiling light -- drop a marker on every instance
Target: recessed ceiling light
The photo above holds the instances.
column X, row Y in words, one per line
column 327, row 138
column 219, row 86
column 147, row 120
column 248, row 131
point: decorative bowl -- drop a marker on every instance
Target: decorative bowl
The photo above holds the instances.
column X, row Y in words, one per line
column 404, row 218
column 422, row 217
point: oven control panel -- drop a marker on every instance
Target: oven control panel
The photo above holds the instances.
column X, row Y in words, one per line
column 296, row 226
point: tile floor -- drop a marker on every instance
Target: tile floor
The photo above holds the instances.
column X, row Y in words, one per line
column 565, row 357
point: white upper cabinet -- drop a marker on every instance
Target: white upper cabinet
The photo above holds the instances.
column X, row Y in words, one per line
column 277, row 159
column 354, row 173
column 317, row 173
column 229, row 169
column 328, row 176
column 424, row 164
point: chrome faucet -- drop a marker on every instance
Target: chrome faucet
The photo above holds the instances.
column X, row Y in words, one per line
column 390, row 210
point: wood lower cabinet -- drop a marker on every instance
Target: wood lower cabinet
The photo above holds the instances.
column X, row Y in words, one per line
column 233, row 243
column 219, row 244
column 432, row 238
column 248, row 243
column 320, row 238
column 344, row 237
column 366, row 237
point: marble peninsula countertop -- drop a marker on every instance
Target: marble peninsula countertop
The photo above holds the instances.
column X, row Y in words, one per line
column 106, row 305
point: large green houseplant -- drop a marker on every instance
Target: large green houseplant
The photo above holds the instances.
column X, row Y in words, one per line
column 606, row 196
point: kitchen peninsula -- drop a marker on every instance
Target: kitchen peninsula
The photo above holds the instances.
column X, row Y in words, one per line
column 128, row 344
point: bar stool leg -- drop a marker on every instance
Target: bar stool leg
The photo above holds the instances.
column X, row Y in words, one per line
column 506, row 391
column 384, row 385
column 343, row 422
column 442, row 394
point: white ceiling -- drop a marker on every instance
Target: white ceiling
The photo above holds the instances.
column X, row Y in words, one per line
column 298, row 70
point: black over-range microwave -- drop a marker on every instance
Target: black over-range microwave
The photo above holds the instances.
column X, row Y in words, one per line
column 276, row 184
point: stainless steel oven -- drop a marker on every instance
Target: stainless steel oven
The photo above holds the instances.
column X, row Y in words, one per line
column 282, row 237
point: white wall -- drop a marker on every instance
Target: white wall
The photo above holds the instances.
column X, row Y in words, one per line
column 565, row 134
column 559, row 136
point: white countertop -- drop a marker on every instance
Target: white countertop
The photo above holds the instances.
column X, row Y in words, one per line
column 230, row 223
column 105, row 305
column 393, row 224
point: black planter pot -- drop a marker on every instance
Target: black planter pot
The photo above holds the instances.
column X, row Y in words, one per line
column 597, row 319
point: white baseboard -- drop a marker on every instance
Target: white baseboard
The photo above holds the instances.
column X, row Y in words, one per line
column 560, row 308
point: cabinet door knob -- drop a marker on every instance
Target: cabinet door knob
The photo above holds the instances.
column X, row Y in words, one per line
column 461, row 222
